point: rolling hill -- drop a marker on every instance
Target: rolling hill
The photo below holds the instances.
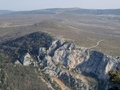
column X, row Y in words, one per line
column 59, row 49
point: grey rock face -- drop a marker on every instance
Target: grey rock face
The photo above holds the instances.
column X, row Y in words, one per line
column 99, row 64
column 73, row 56
column 69, row 63
column 42, row 52
column 26, row 59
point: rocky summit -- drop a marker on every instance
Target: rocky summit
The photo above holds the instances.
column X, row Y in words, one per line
column 55, row 63
column 75, row 67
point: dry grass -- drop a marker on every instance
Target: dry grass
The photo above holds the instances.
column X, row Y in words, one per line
column 84, row 30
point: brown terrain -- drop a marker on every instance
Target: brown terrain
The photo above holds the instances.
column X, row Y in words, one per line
column 84, row 29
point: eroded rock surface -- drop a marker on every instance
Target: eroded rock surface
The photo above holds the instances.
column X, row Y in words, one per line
column 69, row 62
column 26, row 59
column 74, row 67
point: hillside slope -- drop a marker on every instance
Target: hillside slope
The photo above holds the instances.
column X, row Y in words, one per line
column 38, row 59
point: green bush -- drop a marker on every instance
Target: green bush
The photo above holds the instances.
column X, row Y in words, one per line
column 115, row 75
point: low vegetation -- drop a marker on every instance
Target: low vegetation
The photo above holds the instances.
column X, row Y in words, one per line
column 29, row 43
column 14, row 77
column 115, row 77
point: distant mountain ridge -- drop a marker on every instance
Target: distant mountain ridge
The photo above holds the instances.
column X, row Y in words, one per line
column 66, row 10
column 2, row 12
column 74, row 10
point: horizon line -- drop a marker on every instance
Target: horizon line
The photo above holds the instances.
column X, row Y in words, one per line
column 61, row 8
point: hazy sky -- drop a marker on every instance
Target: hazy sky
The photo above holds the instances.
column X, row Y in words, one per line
column 42, row 4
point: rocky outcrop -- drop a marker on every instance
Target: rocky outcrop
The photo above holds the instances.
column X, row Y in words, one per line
column 73, row 56
column 73, row 67
column 69, row 63
column 26, row 60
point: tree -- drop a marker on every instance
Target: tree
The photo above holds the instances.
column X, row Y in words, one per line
column 115, row 77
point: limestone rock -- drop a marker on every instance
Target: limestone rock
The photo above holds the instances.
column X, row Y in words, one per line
column 73, row 56
column 26, row 59
column 42, row 52
column 62, row 58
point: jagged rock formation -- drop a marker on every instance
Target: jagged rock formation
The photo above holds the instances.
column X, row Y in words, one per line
column 62, row 58
column 66, row 65
column 73, row 56
column 26, row 59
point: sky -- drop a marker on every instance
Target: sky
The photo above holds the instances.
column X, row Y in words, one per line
column 21, row 5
